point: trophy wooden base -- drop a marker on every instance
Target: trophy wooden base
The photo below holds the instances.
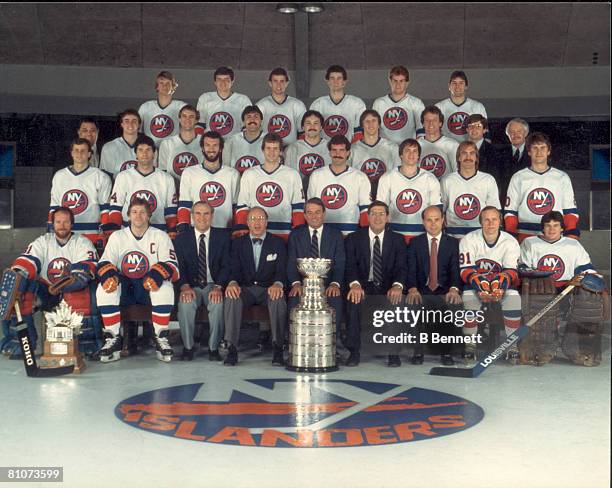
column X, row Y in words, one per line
column 58, row 354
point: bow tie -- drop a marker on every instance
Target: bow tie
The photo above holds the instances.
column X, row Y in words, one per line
column 257, row 240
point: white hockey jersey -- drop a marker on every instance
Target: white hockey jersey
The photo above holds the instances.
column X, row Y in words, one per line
column 283, row 119
column 346, row 196
column 407, row 198
column 476, row 255
column 175, row 155
column 85, row 193
column 159, row 122
column 134, row 256
column 341, row 118
column 374, row 161
column 565, row 257
column 531, row 195
column 218, row 188
column 223, row 115
column 241, row 154
column 440, row 156
column 455, row 115
column 279, row 193
column 306, row 158
column 117, row 155
column 51, row 261
column 157, row 188
column 401, row 119
column 464, row 198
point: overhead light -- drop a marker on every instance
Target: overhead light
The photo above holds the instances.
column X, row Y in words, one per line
column 312, row 8
column 287, row 8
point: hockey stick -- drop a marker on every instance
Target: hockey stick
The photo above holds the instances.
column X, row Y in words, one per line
column 493, row 356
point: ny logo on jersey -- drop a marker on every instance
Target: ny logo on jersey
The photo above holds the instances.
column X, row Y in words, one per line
column 309, row 162
column 395, row 118
column 161, row 126
column 488, row 266
column 128, row 165
column 409, row 201
column 280, row 125
column 335, row 125
column 134, row 265
column 334, row 196
column 467, row 206
column 221, row 122
column 540, row 201
column 434, row 163
column 246, row 162
column 213, row 193
column 183, row 160
column 373, row 168
column 57, row 269
column 148, row 196
column 75, row 200
column 552, row 262
column 269, row 194
column 455, row 123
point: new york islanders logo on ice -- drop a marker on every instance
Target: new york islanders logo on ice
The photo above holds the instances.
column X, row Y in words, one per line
column 279, row 124
column 161, row 126
column 552, row 262
column 213, row 193
column 395, row 118
column 183, row 160
column 299, row 413
column 409, row 201
column 75, row 200
column 57, row 268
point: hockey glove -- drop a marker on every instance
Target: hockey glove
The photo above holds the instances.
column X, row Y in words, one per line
column 481, row 285
column 156, row 276
column 109, row 276
column 499, row 285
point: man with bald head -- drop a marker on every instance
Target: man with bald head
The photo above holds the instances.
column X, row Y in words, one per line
column 433, row 276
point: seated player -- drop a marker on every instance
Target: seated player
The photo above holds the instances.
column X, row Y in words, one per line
column 488, row 258
column 45, row 263
column 138, row 266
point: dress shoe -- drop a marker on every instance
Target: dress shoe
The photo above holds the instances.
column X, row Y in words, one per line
column 277, row 356
column 447, row 360
column 393, row 361
column 417, row 359
column 214, row 355
column 232, row 356
column 187, row 354
column 353, row 359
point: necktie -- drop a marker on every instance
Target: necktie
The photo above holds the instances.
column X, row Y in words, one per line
column 516, row 157
column 433, row 265
column 202, row 269
column 377, row 262
column 256, row 240
column 314, row 245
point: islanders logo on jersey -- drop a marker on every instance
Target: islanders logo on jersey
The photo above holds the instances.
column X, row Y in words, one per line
column 552, row 262
column 246, row 162
column 76, row 200
column 334, row 196
column 488, row 266
column 269, row 194
column 299, row 412
column 221, row 122
column 134, row 265
column 161, row 126
column 213, row 193
column 57, row 269
column 540, row 201
column 309, row 162
column 148, row 196
column 128, row 165
column 373, row 168
column 395, row 118
column 183, row 160
column 335, row 125
column 279, row 124
column 409, row 201
column 455, row 123
column 467, row 206
column 434, row 163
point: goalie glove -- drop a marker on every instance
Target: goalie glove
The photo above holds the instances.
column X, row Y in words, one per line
column 481, row 285
column 109, row 276
column 156, row 276
column 81, row 274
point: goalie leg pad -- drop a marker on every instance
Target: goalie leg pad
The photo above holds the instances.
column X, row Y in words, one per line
column 79, row 301
column 582, row 340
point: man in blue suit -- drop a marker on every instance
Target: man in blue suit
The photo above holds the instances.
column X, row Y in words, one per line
column 258, row 276
column 316, row 240
column 375, row 266
column 433, row 277
column 204, row 264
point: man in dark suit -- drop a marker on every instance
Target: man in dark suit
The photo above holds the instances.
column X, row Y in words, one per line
column 258, row 276
column 375, row 266
column 488, row 162
column 316, row 240
column 433, row 277
column 516, row 156
column 204, row 264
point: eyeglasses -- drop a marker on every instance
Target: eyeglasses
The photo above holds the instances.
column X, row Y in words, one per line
column 256, row 219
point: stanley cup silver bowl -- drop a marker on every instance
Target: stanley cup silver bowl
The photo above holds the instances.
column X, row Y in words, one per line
column 312, row 324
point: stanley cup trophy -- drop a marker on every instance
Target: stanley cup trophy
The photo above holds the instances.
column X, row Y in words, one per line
column 312, row 324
